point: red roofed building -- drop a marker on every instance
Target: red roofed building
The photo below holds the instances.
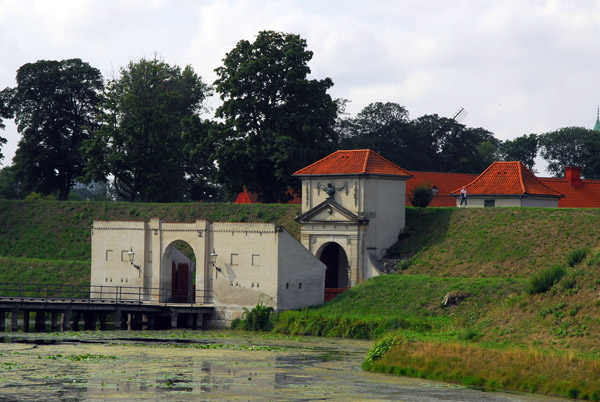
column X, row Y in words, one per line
column 444, row 183
column 578, row 192
column 353, row 162
column 508, row 184
column 353, row 207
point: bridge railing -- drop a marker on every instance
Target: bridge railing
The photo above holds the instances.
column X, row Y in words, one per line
column 115, row 294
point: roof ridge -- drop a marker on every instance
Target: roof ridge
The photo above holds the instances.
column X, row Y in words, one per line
column 520, row 166
column 366, row 162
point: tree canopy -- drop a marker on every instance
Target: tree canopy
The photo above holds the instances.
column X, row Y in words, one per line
column 564, row 147
column 55, row 108
column 428, row 143
column 276, row 120
column 150, row 112
column 523, row 149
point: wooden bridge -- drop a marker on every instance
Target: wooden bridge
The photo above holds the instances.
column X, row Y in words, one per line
column 100, row 307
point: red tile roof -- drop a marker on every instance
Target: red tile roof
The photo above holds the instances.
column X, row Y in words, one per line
column 445, row 183
column 358, row 161
column 246, row 197
column 507, row 178
column 585, row 196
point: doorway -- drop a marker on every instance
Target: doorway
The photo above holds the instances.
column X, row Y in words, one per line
column 336, row 274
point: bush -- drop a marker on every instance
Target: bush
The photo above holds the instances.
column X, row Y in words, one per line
column 257, row 319
column 576, row 256
column 421, row 196
column 545, row 279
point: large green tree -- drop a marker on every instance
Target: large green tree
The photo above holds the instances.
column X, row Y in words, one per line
column 275, row 119
column 55, row 108
column 384, row 128
column 5, row 113
column 565, row 147
column 524, row 149
column 150, row 111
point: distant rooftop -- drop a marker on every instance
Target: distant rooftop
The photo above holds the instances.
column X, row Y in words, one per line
column 351, row 162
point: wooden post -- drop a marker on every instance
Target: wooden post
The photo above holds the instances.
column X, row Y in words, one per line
column 118, row 318
column 102, row 318
column 40, row 321
column 14, row 326
column 75, row 321
column 67, row 320
column 54, row 326
column 25, row 320
column 173, row 319
column 2, row 320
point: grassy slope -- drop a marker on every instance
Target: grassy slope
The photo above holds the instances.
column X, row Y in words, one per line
column 49, row 241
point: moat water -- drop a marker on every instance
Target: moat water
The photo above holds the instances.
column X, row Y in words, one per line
column 206, row 366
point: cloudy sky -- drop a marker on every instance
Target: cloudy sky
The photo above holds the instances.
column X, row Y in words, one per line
column 516, row 66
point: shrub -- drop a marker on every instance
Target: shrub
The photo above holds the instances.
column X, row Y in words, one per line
column 576, row 256
column 545, row 279
column 421, row 196
column 257, row 319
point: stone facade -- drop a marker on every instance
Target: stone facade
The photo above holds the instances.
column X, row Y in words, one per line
column 353, row 208
column 254, row 263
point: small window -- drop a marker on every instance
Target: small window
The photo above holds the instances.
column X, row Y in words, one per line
column 124, row 255
column 256, row 260
column 300, row 285
column 287, row 285
column 489, row 203
column 234, row 259
column 109, row 255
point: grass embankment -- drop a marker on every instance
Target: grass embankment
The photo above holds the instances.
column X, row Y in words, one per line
column 504, row 334
column 49, row 241
column 545, row 342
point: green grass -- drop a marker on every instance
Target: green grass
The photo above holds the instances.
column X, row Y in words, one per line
column 53, row 230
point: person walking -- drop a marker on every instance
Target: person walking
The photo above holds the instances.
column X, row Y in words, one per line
column 463, row 197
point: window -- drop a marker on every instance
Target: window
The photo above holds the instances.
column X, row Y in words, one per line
column 125, row 255
column 256, row 260
column 109, row 255
column 489, row 203
column 234, row 259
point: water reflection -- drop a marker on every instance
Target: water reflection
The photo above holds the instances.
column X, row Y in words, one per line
column 216, row 367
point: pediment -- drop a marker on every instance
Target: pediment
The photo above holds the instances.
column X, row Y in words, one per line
column 330, row 212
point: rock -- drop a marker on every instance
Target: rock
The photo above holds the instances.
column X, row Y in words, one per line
column 453, row 298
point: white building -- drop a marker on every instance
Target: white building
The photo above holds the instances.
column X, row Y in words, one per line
column 251, row 263
column 353, row 208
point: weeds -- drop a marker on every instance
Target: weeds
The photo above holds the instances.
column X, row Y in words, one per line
column 545, row 279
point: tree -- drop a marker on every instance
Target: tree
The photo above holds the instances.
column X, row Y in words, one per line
column 564, row 147
column 10, row 188
column 454, row 147
column 276, row 121
column 5, row 112
column 385, row 129
column 55, row 107
column 523, row 149
column 141, row 143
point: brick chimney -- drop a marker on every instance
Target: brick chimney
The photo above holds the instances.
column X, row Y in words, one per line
column 573, row 176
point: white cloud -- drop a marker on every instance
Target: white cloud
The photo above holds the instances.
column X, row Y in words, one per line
column 517, row 66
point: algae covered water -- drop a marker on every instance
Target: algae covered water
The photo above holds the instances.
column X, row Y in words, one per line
column 205, row 365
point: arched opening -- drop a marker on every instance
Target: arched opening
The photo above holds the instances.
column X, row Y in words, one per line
column 336, row 274
column 178, row 278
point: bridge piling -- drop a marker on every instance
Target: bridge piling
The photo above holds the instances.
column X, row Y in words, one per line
column 25, row 320
column 54, row 325
column 40, row 321
column 2, row 320
column 14, row 323
column 67, row 319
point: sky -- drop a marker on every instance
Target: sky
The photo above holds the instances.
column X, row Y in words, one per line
column 516, row 66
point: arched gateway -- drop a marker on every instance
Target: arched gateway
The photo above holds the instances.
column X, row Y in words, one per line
column 352, row 202
column 337, row 274
column 237, row 265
